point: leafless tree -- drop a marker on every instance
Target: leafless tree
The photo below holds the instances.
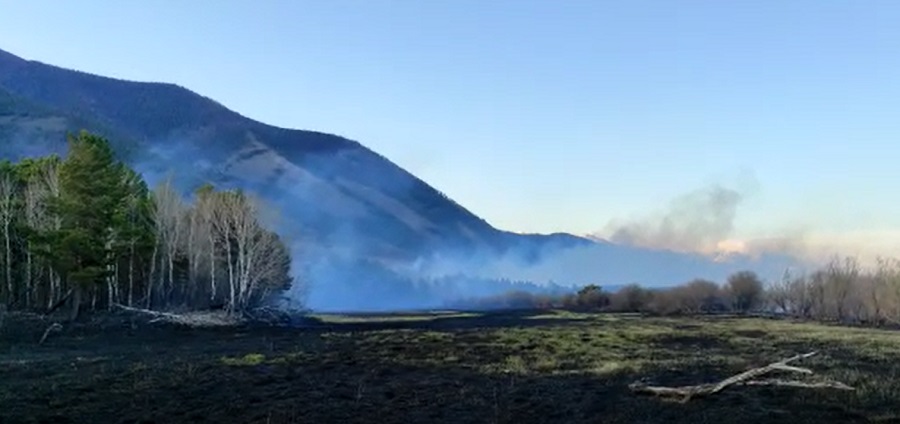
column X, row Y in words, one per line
column 840, row 277
column 204, row 219
column 168, row 217
column 35, row 204
column 49, row 175
column 7, row 213
column 226, row 211
column 778, row 294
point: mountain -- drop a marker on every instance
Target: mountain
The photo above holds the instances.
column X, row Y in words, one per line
column 354, row 218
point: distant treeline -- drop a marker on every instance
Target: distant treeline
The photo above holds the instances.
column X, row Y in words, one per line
column 744, row 291
column 85, row 230
column 841, row 291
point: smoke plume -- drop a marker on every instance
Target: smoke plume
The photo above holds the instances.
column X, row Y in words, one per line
column 694, row 222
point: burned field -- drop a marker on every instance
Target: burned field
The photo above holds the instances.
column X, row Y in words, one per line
column 503, row 367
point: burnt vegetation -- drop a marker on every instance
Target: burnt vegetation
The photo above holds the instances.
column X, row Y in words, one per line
column 494, row 367
column 85, row 231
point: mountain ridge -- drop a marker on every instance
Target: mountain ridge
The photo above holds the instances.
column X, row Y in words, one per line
column 339, row 199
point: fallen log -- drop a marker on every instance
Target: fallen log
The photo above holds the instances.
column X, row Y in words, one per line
column 746, row 378
column 53, row 327
column 59, row 303
column 192, row 319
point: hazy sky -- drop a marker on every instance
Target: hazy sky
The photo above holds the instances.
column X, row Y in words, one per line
column 544, row 115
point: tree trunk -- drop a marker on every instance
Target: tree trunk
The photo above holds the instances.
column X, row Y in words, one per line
column 150, row 280
column 131, row 276
column 8, row 264
column 171, row 275
column 230, row 276
column 52, row 294
column 76, row 302
column 28, row 285
column 109, row 289
column 212, row 269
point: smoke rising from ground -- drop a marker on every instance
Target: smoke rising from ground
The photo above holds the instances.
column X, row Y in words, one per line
column 333, row 256
column 694, row 222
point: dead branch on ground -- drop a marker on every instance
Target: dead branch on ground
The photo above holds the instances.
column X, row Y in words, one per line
column 52, row 328
column 192, row 319
column 746, row 378
column 59, row 302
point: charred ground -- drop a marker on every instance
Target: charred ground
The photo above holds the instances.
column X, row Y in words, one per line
column 497, row 367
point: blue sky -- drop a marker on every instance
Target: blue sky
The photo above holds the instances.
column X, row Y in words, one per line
column 542, row 115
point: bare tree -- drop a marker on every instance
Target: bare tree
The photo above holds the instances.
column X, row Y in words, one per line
column 840, row 278
column 268, row 266
column 7, row 213
column 50, row 177
column 36, row 196
column 168, row 217
column 887, row 298
column 204, row 212
column 193, row 239
column 816, row 292
column 778, row 293
column 255, row 258
column 225, row 212
column 251, row 243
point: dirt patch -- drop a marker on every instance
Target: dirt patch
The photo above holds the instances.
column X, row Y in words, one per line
column 680, row 341
column 752, row 334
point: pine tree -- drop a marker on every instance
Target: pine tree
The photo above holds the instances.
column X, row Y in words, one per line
column 90, row 193
column 87, row 228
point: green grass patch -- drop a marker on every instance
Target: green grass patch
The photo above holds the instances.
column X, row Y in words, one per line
column 250, row 359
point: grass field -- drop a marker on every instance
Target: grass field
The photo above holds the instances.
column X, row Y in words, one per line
column 504, row 367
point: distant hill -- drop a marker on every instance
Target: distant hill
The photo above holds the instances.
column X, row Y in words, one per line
column 340, row 203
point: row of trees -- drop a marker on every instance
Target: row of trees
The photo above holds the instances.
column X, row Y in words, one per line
column 743, row 292
column 87, row 229
column 842, row 290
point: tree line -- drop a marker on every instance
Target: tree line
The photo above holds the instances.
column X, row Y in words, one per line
column 840, row 291
column 87, row 231
column 744, row 291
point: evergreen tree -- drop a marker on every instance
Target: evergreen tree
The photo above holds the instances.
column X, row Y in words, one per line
column 91, row 191
column 87, row 228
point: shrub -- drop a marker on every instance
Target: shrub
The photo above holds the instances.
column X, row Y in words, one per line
column 631, row 298
column 745, row 290
column 592, row 297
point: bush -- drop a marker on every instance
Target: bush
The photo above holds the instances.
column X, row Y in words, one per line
column 664, row 302
column 631, row 298
column 592, row 297
column 700, row 296
column 745, row 290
